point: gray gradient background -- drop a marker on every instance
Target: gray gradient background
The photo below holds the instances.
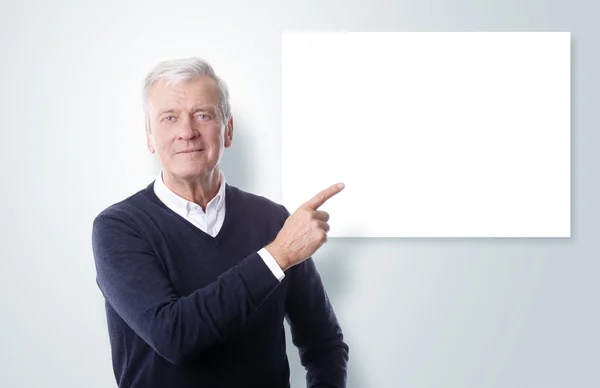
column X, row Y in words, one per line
column 417, row 312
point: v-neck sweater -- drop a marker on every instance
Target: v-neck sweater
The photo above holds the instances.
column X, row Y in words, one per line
column 185, row 309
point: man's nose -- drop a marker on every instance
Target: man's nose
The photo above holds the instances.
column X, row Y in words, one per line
column 187, row 130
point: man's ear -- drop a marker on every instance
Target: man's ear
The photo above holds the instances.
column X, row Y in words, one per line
column 149, row 141
column 229, row 133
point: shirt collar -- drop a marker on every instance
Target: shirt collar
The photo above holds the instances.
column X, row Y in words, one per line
column 181, row 205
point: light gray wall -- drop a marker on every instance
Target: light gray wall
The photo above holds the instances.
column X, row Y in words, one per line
column 417, row 312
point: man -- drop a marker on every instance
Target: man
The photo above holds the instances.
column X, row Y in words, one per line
column 199, row 275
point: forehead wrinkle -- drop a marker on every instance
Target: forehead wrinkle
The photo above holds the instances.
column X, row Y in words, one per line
column 175, row 96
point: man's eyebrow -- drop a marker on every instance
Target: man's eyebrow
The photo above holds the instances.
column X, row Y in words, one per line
column 162, row 112
column 206, row 108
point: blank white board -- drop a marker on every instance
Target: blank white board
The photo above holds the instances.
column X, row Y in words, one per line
column 435, row 134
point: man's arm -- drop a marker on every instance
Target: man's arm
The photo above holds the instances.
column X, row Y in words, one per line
column 135, row 284
column 315, row 329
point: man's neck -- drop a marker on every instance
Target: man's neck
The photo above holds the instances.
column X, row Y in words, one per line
column 199, row 190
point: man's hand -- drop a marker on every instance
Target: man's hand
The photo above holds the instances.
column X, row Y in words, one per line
column 304, row 231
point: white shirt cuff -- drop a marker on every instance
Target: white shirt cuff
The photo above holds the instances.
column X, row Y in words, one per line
column 271, row 263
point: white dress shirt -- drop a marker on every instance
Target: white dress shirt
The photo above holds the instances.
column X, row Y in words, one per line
column 209, row 222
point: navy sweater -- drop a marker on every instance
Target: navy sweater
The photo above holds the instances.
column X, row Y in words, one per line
column 185, row 309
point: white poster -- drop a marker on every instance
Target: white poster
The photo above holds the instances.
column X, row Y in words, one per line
column 435, row 134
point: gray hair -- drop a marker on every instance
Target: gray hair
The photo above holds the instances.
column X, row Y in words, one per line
column 184, row 70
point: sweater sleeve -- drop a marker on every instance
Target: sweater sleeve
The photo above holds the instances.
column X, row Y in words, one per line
column 315, row 329
column 135, row 284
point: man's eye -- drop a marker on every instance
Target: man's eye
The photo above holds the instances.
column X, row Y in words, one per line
column 204, row 116
column 169, row 118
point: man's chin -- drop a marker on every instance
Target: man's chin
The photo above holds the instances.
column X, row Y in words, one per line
column 191, row 172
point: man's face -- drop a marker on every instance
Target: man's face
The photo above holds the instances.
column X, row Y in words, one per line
column 186, row 127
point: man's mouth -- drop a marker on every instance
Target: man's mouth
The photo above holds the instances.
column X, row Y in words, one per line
column 191, row 151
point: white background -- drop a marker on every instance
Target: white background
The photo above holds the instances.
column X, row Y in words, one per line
column 468, row 313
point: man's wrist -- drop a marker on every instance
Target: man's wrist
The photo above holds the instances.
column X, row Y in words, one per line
column 279, row 256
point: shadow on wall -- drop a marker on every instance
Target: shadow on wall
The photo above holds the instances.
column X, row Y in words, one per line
column 156, row 166
column 333, row 262
column 237, row 158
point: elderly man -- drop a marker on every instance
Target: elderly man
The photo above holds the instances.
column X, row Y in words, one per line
column 199, row 275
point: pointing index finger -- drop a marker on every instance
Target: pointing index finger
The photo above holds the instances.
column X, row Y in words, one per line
column 319, row 199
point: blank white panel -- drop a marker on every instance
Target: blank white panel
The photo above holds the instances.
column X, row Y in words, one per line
column 435, row 134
